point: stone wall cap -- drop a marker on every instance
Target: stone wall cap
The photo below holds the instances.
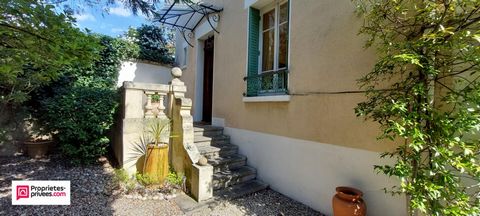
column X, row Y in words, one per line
column 146, row 86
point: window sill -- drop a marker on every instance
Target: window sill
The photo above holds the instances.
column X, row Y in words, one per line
column 259, row 99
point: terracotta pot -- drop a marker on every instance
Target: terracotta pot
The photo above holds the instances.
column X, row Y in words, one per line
column 348, row 202
column 155, row 106
column 156, row 162
column 37, row 149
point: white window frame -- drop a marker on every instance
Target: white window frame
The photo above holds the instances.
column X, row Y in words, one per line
column 183, row 55
column 276, row 6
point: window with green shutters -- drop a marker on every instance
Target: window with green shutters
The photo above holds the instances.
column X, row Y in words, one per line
column 253, row 51
column 268, row 34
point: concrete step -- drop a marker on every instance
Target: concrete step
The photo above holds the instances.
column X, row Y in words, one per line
column 214, row 140
column 191, row 207
column 227, row 162
column 188, row 205
column 211, row 152
column 207, row 130
column 235, row 176
column 240, row 190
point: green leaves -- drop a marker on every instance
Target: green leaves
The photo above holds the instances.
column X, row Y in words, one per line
column 159, row 129
column 429, row 61
column 82, row 117
column 476, row 37
column 154, row 43
column 409, row 58
column 81, row 104
column 36, row 44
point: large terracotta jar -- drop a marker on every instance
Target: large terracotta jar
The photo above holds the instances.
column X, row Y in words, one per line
column 156, row 162
column 38, row 149
column 348, row 202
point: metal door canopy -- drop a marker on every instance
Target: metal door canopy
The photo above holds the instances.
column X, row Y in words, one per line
column 186, row 16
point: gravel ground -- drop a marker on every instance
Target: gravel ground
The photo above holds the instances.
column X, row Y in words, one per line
column 92, row 188
column 94, row 193
column 267, row 202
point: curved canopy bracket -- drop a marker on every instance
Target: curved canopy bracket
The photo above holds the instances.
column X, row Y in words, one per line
column 185, row 17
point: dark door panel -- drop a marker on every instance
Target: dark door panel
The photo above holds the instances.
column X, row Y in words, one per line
column 208, row 80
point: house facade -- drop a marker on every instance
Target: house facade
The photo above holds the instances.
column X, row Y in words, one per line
column 280, row 77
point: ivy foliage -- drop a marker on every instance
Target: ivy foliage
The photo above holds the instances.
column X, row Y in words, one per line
column 80, row 107
column 36, row 43
column 65, row 77
column 155, row 44
column 103, row 73
column 424, row 91
column 82, row 116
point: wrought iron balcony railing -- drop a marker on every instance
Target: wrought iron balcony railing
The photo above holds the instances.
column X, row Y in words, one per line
column 267, row 83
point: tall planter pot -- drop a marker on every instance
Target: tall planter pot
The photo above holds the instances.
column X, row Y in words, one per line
column 348, row 202
column 156, row 162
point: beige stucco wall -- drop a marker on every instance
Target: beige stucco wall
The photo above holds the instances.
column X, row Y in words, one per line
column 307, row 146
column 310, row 171
column 188, row 75
column 326, row 55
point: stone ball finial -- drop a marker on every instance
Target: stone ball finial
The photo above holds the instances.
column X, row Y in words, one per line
column 176, row 72
column 202, row 161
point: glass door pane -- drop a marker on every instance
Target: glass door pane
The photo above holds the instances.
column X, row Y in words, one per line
column 283, row 13
column 283, row 46
column 268, row 40
column 283, row 37
column 268, row 50
column 269, row 20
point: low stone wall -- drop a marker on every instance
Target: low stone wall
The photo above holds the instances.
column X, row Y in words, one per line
column 138, row 112
column 12, row 132
column 133, row 123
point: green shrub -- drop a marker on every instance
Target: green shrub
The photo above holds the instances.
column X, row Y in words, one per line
column 122, row 178
column 81, row 118
column 155, row 44
column 121, row 175
column 174, row 178
column 145, row 179
column 37, row 42
column 80, row 106
column 103, row 73
column 424, row 93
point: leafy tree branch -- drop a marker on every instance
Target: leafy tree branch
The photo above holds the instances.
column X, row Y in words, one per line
column 428, row 54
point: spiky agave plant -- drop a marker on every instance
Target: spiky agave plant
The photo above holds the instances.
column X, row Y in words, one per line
column 157, row 129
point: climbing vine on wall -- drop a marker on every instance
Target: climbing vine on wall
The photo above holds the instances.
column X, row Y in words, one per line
column 424, row 92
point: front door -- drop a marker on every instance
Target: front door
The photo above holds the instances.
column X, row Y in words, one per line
column 207, row 80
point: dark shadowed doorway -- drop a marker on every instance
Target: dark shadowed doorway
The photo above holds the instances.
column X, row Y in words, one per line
column 207, row 80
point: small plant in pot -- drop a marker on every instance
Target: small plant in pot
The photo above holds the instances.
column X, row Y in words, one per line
column 156, row 158
column 156, row 104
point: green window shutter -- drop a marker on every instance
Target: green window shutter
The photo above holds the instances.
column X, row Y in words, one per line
column 253, row 51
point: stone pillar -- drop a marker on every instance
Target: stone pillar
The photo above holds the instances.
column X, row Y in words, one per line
column 201, row 183
column 184, row 153
column 149, row 107
column 133, row 101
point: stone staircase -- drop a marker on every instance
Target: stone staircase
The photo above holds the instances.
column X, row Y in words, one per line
column 232, row 177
